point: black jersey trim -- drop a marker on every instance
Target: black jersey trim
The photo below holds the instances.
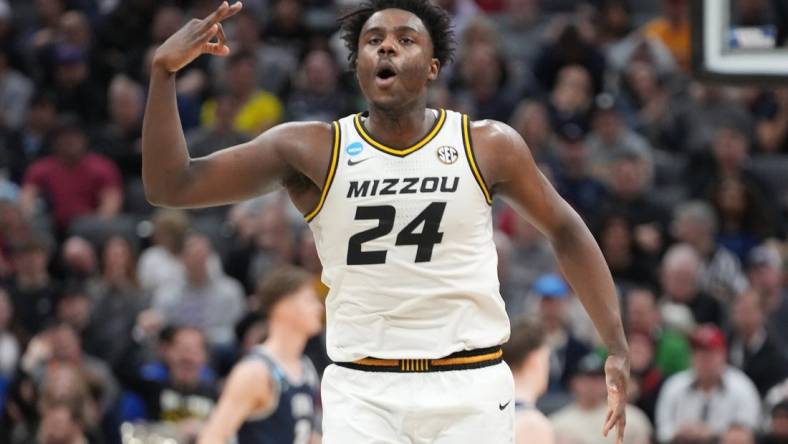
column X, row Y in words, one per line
column 477, row 173
column 401, row 152
column 332, row 170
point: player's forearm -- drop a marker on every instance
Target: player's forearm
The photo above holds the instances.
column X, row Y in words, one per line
column 165, row 158
column 585, row 268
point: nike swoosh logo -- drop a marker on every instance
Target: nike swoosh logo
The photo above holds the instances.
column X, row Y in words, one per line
column 351, row 163
column 501, row 407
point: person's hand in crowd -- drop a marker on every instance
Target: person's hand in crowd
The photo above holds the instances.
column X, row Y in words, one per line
column 189, row 429
column 195, row 39
column 149, row 323
column 697, row 432
column 39, row 350
column 648, row 238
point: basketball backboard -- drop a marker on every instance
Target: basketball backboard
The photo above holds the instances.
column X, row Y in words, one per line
column 740, row 41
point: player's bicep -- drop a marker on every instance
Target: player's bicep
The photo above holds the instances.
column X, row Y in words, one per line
column 234, row 174
column 518, row 180
column 244, row 392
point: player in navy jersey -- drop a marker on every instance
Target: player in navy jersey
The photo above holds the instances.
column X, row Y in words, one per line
column 399, row 200
column 271, row 394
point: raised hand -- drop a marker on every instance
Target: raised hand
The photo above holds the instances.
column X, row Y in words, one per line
column 616, row 376
column 195, row 38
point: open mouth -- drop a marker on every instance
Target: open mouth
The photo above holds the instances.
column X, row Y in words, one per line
column 385, row 73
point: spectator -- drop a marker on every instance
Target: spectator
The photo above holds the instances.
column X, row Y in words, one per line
column 673, row 30
column 671, row 350
column 568, row 45
column 317, row 94
column 628, row 264
column 753, row 349
column 61, row 423
column 9, row 344
column 765, row 272
column 60, row 344
column 778, row 429
column 694, row 224
column 118, row 301
column 744, row 219
column 771, row 121
column 528, row 356
column 531, row 121
column 566, row 350
column 73, row 180
column 210, row 301
column 276, row 65
column 258, row 110
column 645, row 378
column 179, row 394
column 79, row 259
column 29, row 142
column 579, row 421
column 119, row 139
column 610, row 139
column 647, row 98
column 703, row 402
column 16, row 90
column 680, row 278
column 572, row 176
column 531, row 257
column 76, row 92
column 33, row 290
column 569, row 104
column 204, row 140
column 483, row 75
column 159, row 265
column 737, row 434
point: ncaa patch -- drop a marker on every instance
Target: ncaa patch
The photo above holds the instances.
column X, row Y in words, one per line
column 354, row 148
column 448, row 154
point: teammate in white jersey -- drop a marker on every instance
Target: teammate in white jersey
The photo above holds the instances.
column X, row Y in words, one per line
column 398, row 198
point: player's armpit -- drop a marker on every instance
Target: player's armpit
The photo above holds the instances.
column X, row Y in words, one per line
column 509, row 168
column 243, row 394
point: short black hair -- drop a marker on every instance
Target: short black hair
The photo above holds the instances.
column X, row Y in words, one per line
column 435, row 19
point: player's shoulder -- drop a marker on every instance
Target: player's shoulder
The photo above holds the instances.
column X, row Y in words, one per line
column 310, row 131
column 494, row 133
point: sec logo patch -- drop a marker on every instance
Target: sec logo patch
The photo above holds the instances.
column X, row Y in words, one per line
column 448, row 154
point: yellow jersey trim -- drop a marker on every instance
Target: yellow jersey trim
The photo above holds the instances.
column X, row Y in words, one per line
column 466, row 139
column 401, row 152
column 332, row 169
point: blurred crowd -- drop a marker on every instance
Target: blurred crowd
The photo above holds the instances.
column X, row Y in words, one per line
column 113, row 312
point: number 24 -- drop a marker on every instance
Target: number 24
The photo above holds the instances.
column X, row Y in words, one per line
column 385, row 214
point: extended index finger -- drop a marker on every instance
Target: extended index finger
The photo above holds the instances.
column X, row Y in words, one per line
column 224, row 11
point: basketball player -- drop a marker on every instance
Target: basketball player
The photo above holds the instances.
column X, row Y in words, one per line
column 528, row 356
column 274, row 388
column 398, row 199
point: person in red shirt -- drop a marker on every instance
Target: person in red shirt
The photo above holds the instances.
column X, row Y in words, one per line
column 73, row 181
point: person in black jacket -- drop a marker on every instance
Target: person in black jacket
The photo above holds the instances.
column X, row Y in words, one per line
column 752, row 347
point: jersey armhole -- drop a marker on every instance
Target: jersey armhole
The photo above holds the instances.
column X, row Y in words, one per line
column 477, row 173
column 332, row 169
column 276, row 390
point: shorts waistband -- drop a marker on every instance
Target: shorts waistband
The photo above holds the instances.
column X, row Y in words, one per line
column 462, row 360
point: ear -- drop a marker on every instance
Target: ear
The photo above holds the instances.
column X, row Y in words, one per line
column 434, row 69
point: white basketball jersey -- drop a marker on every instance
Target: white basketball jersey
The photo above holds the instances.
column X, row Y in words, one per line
column 406, row 241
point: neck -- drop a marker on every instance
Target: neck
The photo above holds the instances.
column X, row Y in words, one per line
column 401, row 126
column 284, row 342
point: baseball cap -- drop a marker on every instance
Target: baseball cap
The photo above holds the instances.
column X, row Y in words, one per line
column 551, row 286
column 708, row 337
column 591, row 364
column 764, row 255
